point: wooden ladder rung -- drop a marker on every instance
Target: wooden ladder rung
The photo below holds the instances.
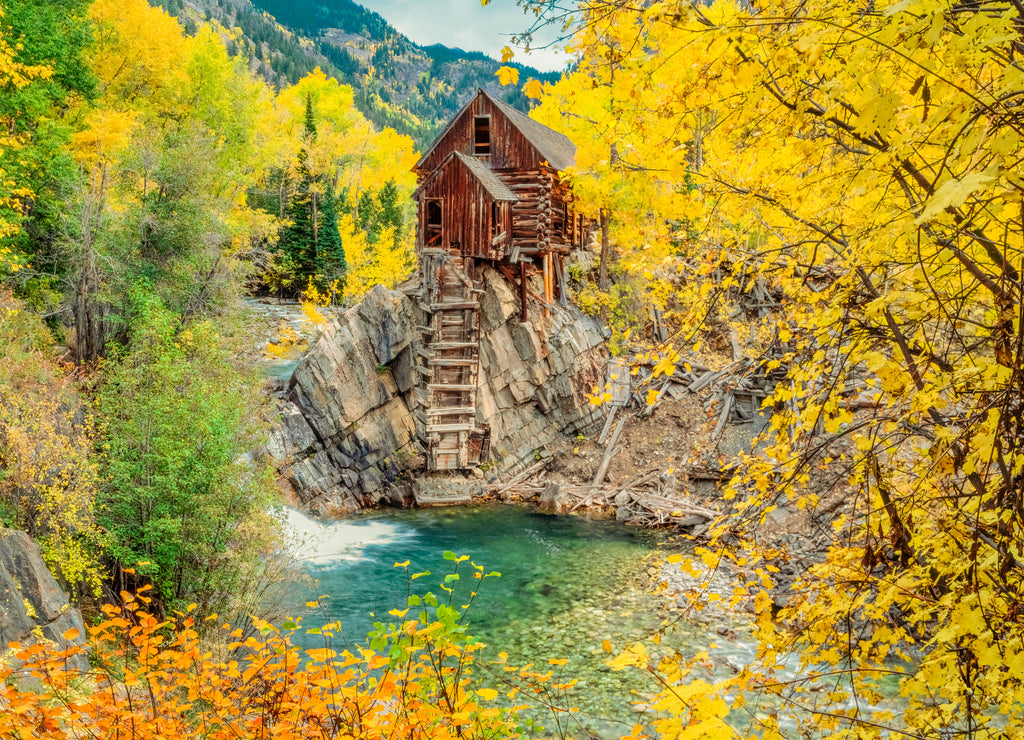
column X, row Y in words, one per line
column 461, row 306
column 446, row 428
column 463, row 411
column 453, row 345
column 446, row 362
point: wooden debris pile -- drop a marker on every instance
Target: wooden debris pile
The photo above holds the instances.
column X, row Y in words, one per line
column 735, row 392
column 656, row 497
column 650, row 499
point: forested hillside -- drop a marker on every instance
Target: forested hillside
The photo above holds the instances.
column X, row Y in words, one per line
column 150, row 179
column 398, row 84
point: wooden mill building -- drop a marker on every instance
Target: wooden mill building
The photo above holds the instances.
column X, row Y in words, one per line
column 489, row 190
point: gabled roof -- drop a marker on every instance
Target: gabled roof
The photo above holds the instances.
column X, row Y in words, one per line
column 556, row 148
column 487, row 177
column 484, row 174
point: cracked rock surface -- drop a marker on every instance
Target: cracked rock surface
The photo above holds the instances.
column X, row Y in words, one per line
column 345, row 436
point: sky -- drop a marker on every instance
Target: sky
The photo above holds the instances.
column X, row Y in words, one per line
column 465, row 24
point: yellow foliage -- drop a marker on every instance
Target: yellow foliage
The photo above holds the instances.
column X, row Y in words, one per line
column 289, row 342
column 154, row 678
column 387, row 262
column 862, row 170
column 13, row 194
column 48, row 477
column 507, row 75
column 139, row 53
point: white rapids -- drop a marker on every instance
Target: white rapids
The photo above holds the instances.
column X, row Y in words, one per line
column 328, row 543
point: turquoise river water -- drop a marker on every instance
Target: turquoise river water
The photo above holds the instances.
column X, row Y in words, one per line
column 566, row 584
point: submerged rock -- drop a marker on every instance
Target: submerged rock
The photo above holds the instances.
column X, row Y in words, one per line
column 554, row 499
column 346, row 436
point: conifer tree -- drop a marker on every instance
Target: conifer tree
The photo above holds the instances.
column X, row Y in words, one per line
column 311, row 242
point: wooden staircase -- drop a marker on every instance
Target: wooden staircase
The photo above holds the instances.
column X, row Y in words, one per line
column 449, row 364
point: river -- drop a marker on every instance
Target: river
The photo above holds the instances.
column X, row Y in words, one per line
column 566, row 584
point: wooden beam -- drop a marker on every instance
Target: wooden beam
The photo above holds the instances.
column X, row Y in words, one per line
column 522, row 290
column 466, row 411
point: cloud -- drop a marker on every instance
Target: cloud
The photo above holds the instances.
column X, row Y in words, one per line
column 465, row 24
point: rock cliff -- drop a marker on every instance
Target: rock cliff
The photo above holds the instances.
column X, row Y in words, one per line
column 346, row 433
column 32, row 605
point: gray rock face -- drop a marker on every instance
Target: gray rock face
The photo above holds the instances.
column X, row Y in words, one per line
column 345, row 427
column 32, row 605
column 346, row 436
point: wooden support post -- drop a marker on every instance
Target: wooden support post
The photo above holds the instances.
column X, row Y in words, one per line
column 563, row 296
column 547, row 284
column 522, row 289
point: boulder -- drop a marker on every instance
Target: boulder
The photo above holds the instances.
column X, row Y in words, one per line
column 549, row 497
column 345, row 434
column 32, row 604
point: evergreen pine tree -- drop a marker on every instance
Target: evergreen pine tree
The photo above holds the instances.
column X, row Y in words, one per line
column 390, row 208
column 331, row 263
column 311, row 244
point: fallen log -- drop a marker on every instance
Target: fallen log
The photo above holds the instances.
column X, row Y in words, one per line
column 610, row 451
column 723, row 419
column 607, row 425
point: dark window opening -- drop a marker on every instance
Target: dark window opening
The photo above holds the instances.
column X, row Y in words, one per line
column 434, row 213
column 433, row 225
column 494, row 218
column 481, row 135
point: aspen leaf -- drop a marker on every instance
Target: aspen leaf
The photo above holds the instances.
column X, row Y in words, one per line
column 533, row 88
column 507, row 75
column 953, row 193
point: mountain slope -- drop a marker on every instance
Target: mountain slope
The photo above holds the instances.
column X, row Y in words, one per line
column 398, row 83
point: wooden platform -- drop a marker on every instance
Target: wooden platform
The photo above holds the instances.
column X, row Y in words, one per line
column 445, row 491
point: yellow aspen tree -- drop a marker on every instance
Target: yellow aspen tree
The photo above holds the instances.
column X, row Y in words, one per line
column 861, row 164
column 12, row 193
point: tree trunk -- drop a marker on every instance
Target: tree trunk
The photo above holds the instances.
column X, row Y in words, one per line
column 88, row 309
column 606, row 253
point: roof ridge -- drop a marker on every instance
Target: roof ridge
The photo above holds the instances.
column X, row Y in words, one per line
column 555, row 147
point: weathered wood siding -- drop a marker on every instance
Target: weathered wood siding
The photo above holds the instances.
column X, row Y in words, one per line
column 510, row 150
column 467, row 212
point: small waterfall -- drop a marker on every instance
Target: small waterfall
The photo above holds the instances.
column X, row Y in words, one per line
column 329, row 543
